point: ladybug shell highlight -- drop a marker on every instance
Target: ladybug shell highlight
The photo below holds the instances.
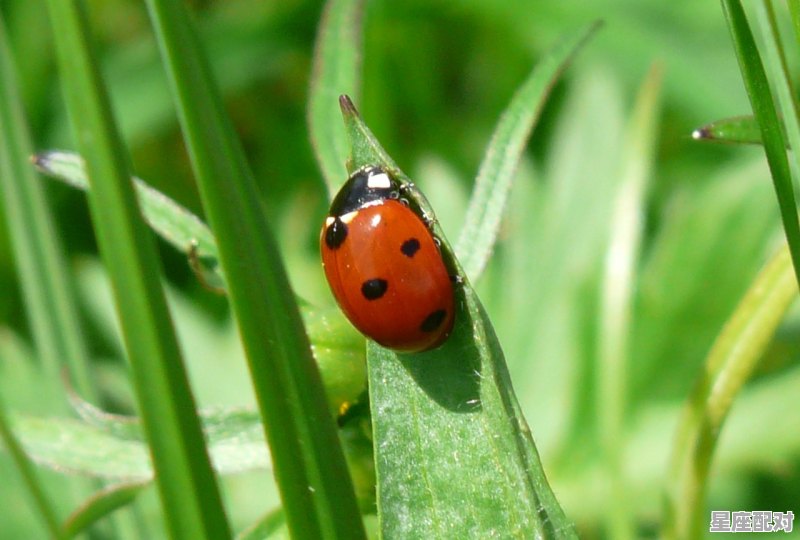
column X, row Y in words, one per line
column 384, row 267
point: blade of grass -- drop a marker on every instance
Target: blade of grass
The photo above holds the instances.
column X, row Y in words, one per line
column 42, row 269
column 454, row 457
column 778, row 76
column 616, row 292
column 271, row 525
column 794, row 12
column 41, row 502
column 336, row 71
column 310, row 470
column 189, row 493
column 771, row 131
column 100, row 505
column 496, row 173
column 729, row 364
column 736, row 130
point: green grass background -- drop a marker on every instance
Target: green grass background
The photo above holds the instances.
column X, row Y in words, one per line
column 436, row 75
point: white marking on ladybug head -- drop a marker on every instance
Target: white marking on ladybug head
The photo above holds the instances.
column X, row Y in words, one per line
column 348, row 217
column 379, row 181
column 329, row 221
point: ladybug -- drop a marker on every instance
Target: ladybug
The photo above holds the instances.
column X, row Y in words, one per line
column 384, row 266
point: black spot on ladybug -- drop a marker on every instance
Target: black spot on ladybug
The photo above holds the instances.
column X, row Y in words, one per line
column 410, row 247
column 372, row 289
column 433, row 321
column 336, row 233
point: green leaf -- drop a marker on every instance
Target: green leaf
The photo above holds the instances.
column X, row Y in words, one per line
column 616, row 304
column 41, row 266
column 310, row 469
column 454, row 456
column 729, row 364
column 127, row 428
column 108, row 446
column 189, row 493
column 741, row 443
column 337, row 63
column 339, row 351
column 736, row 130
column 273, row 527
column 174, row 223
column 775, row 64
column 22, row 461
column 772, row 137
column 338, row 347
column 100, row 505
column 510, row 137
column 71, row 446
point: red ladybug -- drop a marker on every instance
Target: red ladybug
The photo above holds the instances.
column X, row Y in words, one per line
column 384, row 266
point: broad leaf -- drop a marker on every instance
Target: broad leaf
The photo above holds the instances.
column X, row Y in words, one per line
column 454, row 456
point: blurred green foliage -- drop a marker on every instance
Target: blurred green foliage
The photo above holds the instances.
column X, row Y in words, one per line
column 436, row 75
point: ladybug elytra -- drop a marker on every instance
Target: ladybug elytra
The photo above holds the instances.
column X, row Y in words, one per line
column 384, row 266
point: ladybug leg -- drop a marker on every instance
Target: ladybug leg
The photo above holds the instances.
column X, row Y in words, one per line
column 410, row 188
column 199, row 271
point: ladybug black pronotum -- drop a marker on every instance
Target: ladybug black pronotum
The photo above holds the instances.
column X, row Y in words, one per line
column 384, row 266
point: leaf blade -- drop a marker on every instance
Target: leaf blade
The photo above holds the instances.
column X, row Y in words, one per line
column 441, row 416
column 729, row 364
column 100, row 505
column 735, row 130
column 335, row 72
column 309, row 467
column 758, row 91
column 189, row 493
column 174, row 223
column 617, row 289
column 505, row 149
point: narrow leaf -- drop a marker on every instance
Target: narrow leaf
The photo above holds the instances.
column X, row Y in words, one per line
column 272, row 526
column 617, row 289
column 338, row 348
column 189, row 493
column 794, row 12
column 336, row 71
column 41, row 266
column 775, row 64
column 107, row 446
column 444, row 416
column 174, row 223
column 729, row 364
column 310, row 469
column 736, row 130
column 35, row 488
column 758, row 91
column 100, row 505
column 119, row 426
column 71, row 446
column 496, row 173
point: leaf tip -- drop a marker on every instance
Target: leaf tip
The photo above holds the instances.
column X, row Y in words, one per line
column 39, row 160
column 701, row 134
column 346, row 104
